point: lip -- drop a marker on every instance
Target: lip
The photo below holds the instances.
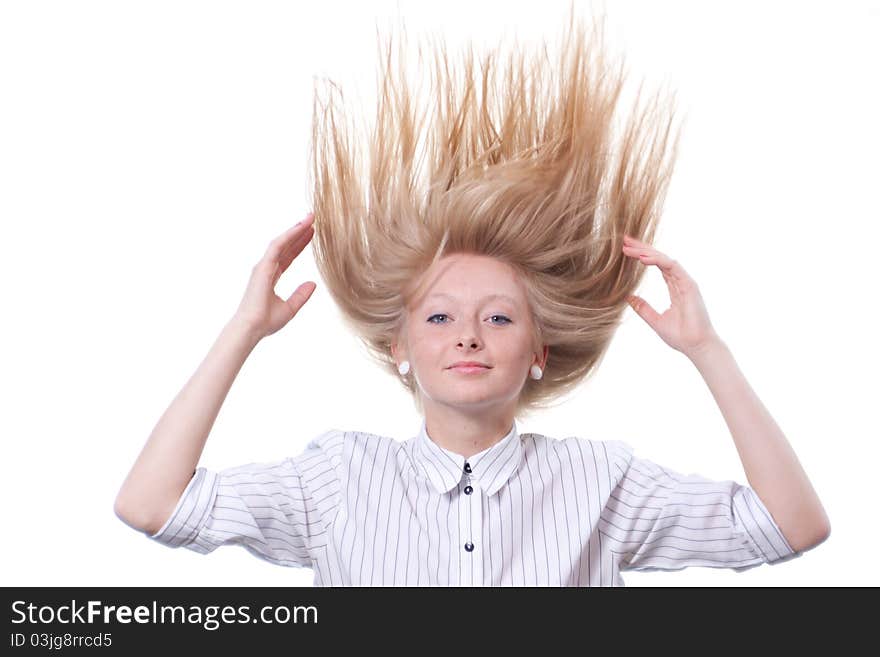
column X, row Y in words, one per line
column 465, row 369
column 469, row 367
column 469, row 363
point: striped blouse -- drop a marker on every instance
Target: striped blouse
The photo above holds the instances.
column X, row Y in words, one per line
column 367, row 510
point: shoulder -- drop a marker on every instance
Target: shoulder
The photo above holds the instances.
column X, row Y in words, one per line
column 341, row 445
column 617, row 454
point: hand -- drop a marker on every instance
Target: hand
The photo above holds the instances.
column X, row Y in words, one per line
column 684, row 326
column 261, row 309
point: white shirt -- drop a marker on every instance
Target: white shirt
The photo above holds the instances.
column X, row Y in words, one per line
column 367, row 510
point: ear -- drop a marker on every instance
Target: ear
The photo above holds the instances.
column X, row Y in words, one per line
column 544, row 357
column 395, row 351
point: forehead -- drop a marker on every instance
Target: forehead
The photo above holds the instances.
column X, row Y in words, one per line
column 496, row 296
column 472, row 277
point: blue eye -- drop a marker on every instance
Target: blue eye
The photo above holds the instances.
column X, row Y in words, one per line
column 506, row 320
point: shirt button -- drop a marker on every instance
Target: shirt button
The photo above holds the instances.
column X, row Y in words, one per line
column 468, row 490
column 467, row 467
column 469, row 546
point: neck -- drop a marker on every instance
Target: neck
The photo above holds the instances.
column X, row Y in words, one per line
column 466, row 434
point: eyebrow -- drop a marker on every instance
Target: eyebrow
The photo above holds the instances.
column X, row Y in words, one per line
column 486, row 298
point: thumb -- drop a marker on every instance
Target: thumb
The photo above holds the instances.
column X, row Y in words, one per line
column 300, row 296
column 643, row 309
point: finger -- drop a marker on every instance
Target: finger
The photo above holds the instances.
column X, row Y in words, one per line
column 675, row 292
column 650, row 255
column 297, row 227
column 293, row 249
column 295, row 246
column 669, row 274
column 632, row 241
column 673, row 273
column 668, row 266
column 644, row 310
column 295, row 241
column 636, row 248
column 277, row 245
column 301, row 295
column 642, row 251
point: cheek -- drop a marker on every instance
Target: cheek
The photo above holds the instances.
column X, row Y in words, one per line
column 424, row 344
column 517, row 342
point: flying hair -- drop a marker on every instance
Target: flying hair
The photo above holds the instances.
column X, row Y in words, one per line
column 520, row 161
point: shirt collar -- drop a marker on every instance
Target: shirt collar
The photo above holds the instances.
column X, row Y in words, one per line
column 490, row 469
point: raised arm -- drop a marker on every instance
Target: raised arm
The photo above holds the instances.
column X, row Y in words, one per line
column 170, row 456
column 770, row 464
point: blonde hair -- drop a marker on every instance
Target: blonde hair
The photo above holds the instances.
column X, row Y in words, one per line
column 529, row 173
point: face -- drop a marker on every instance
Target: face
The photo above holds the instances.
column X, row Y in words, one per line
column 475, row 309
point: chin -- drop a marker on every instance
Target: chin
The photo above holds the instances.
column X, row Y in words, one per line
column 475, row 399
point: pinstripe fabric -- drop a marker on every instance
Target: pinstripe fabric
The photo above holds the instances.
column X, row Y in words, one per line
column 367, row 510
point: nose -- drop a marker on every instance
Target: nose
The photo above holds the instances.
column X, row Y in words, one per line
column 470, row 340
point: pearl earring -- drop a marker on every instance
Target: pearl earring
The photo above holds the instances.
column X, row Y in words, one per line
column 403, row 368
column 536, row 371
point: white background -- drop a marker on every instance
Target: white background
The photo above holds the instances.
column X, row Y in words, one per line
column 150, row 151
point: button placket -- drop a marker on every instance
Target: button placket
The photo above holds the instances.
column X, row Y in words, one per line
column 471, row 521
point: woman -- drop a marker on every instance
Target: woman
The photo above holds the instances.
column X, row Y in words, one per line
column 489, row 287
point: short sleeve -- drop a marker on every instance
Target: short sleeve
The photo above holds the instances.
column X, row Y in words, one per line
column 660, row 519
column 268, row 508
